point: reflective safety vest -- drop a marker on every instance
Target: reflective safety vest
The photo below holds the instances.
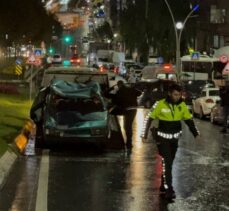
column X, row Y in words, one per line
column 165, row 111
column 170, row 116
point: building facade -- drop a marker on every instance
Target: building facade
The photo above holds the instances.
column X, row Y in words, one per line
column 213, row 25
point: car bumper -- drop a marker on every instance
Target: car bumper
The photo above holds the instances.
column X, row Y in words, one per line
column 75, row 136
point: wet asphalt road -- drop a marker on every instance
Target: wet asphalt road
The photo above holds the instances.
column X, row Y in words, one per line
column 86, row 178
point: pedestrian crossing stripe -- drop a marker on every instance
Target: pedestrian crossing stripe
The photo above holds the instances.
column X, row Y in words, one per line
column 18, row 70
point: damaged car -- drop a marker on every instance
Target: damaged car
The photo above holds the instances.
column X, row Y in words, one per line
column 70, row 111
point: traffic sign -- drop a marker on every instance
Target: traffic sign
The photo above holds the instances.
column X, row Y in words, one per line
column 34, row 60
column 224, row 58
column 31, row 59
column 37, row 52
column 18, row 70
column 160, row 60
column 195, row 55
column 18, row 61
column 226, row 69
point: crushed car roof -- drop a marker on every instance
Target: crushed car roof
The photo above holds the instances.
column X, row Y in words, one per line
column 75, row 90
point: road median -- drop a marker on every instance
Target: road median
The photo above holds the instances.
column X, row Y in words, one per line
column 14, row 122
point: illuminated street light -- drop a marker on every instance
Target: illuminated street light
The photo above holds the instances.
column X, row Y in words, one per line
column 179, row 25
column 115, row 35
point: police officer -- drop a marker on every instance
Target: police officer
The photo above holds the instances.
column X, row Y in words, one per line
column 126, row 101
column 169, row 112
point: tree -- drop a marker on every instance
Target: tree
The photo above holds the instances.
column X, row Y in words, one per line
column 26, row 20
column 72, row 4
column 105, row 31
column 148, row 24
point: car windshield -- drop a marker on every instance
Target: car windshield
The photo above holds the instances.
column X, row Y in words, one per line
column 67, row 111
column 214, row 93
column 56, row 56
column 80, row 105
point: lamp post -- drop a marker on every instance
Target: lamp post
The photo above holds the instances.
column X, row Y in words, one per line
column 178, row 28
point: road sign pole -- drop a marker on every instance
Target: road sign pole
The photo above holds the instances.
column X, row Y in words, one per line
column 31, row 83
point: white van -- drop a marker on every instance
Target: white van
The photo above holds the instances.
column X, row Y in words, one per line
column 155, row 72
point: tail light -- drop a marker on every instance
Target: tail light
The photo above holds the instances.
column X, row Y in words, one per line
column 209, row 101
column 78, row 60
column 102, row 69
column 116, row 70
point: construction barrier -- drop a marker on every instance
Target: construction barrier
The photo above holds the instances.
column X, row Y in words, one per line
column 22, row 139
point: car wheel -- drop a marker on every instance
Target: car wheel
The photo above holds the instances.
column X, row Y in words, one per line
column 102, row 145
column 201, row 114
column 148, row 104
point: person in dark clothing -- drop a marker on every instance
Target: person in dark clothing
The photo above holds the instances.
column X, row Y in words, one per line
column 125, row 101
column 224, row 95
column 170, row 112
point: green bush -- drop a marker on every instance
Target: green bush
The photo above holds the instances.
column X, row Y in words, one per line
column 14, row 112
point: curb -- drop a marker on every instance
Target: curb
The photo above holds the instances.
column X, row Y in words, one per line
column 6, row 162
column 8, row 159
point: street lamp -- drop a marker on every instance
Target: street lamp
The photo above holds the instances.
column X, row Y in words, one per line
column 178, row 27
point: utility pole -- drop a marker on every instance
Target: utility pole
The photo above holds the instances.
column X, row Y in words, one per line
column 146, row 9
column 178, row 28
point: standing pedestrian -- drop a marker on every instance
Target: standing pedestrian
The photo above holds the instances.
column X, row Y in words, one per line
column 224, row 95
column 169, row 111
column 125, row 101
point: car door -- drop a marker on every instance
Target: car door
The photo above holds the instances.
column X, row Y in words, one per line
column 36, row 111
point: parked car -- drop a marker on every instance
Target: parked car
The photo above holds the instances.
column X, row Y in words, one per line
column 157, row 71
column 193, row 88
column 75, row 60
column 56, row 59
column 203, row 105
column 152, row 91
column 217, row 116
column 69, row 111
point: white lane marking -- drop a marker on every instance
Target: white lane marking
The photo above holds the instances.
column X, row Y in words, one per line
column 42, row 191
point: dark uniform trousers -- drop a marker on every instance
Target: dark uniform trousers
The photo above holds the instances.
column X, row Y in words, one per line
column 167, row 150
column 128, row 122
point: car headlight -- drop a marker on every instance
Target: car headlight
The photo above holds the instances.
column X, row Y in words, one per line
column 96, row 131
column 52, row 132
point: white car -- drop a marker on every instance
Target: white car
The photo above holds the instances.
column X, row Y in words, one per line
column 57, row 59
column 203, row 105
